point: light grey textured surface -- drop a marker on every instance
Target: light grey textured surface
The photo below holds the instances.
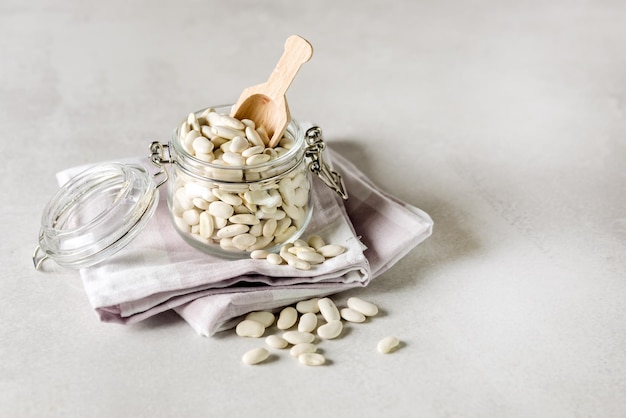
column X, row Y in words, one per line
column 505, row 121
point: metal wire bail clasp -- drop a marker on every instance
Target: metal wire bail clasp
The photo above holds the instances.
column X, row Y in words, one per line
column 157, row 157
column 37, row 259
column 314, row 151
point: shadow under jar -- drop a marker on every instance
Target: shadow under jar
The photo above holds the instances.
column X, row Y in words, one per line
column 229, row 195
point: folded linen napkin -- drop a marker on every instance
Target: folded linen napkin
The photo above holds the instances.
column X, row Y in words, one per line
column 158, row 271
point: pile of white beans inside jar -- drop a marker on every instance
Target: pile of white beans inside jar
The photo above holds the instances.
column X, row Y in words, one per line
column 229, row 194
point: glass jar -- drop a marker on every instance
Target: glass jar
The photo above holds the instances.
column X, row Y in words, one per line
column 257, row 200
column 224, row 209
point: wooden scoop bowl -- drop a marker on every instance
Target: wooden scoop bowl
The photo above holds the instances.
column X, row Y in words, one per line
column 265, row 104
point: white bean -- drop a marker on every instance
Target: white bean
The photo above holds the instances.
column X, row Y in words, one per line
column 261, row 197
column 213, row 118
column 208, row 133
column 202, row 145
column 311, row 359
column 330, row 330
column 257, row 159
column 268, row 209
column 284, row 250
column 282, row 225
column 219, row 222
column 193, row 190
column 206, row 225
column 307, row 322
column 256, row 230
column 208, row 195
column 329, row 310
column 287, row 256
column 226, row 132
column 192, row 120
column 189, row 139
column 302, row 197
column 227, row 244
column 200, row 203
column 228, row 121
column 217, row 140
column 297, row 337
column 275, row 341
column 226, row 197
column 221, row 209
column 252, row 208
column 299, row 264
column 261, row 242
column 278, row 215
column 310, row 257
column 191, row 217
column 232, row 230
column 184, row 130
column 293, row 212
column 286, row 142
column 250, row 328
column 259, row 254
column 306, row 306
column 233, row 159
column 254, row 137
column 264, row 137
column 225, row 147
column 206, row 111
column 248, row 122
column 287, row 318
column 351, row 315
column 300, row 180
column 331, row 250
column 239, row 144
column 182, row 199
column 243, row 241
column 271, row 152
column 302, row 348
column 241, row 209
column 269, row 226
column 287, row 190
column 359, row 305
column 295, row 250
column 263, row 317
column 387, row 344
column 255, row 150
column 274, row 258
column 244, row 218
column 255, row 356
column 209, row 158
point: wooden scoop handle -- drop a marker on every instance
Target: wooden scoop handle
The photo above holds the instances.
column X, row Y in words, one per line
column 297, row 51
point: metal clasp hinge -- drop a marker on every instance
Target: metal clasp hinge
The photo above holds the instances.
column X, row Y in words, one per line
column 157, row 157
column 38, row 260
column 314, row 151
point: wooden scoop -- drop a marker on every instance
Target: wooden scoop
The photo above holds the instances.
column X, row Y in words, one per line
column 265, row 104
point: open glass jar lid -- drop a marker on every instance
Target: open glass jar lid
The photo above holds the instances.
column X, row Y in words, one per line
column 95, row 214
